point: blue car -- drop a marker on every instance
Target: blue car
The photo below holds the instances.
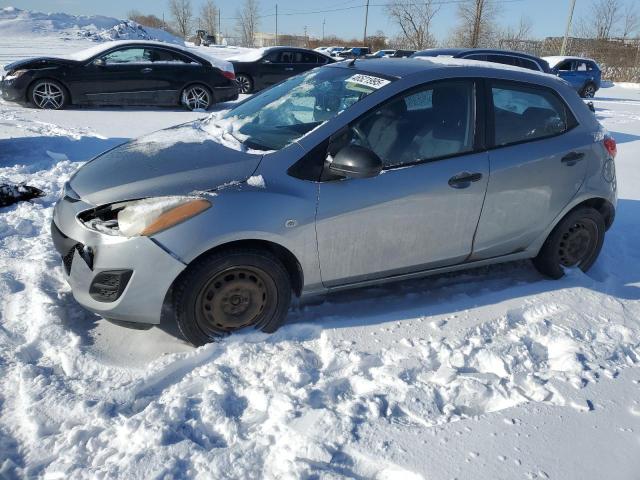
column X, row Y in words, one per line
column 582, row 73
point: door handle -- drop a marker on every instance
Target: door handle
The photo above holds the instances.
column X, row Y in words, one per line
column 464, row 179
column 570, row 159
column 289, row 69
column 147, row 70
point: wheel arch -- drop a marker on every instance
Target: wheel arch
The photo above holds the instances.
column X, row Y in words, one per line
column 64, row 85
column 288, row 259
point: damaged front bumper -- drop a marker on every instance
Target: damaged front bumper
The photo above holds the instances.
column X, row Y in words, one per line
column 119, row 278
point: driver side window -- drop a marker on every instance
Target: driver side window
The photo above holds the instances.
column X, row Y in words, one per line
column 128, row 55
column 428, row 123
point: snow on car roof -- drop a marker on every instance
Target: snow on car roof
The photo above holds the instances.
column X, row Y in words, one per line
column 250, row 56
column 556, row 59
column 88, row 53
column 463, row 62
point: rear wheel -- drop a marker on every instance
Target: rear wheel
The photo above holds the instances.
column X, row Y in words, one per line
column 245, row 84
column 197, row 97
column 231, row 290
column 589, row 91
column 48, row 95
column 575, row 242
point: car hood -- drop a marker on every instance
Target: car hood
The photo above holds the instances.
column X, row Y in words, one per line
column 38, row 62
column 177, row 161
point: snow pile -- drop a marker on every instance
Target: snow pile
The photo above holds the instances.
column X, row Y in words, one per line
column 14, row 21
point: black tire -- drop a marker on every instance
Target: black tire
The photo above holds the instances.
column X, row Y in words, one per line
column 231, row 290
column 588, row 91
column 47, row 94
column 575, row 242
column 190, row 97
column 245, row 83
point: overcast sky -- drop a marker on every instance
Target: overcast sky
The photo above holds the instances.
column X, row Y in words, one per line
column 343, row 18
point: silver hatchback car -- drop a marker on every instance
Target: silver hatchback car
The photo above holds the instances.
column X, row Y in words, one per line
column 352, row 174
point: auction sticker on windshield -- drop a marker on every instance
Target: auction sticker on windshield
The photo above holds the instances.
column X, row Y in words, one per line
column 368, row 81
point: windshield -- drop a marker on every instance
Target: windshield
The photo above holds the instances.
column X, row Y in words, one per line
column 283, row 114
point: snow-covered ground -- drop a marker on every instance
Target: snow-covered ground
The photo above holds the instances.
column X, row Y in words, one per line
column 487, row 374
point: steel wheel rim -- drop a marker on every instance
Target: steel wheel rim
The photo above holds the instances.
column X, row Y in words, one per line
column 577, row 243
column 233, row 299
column 47, row 95
column 244, row 84
column 197, row 98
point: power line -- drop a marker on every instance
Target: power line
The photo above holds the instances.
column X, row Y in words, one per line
column 363, row 5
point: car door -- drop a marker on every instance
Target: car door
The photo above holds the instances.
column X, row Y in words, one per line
column 171, row 71
column 538, row 163
column 567, row 71
column 123, row 76
column 421, row 212
column 304, row 61
column 277, row 66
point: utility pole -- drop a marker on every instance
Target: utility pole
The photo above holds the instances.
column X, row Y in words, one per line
column 306, row 39
column 366, row 20
column 563, row 49
column 219, row 26
column 324, row 20
column 276, row 24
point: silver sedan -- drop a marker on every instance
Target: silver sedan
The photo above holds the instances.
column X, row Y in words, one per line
column 352, row 174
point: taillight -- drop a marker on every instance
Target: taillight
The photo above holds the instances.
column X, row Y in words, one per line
column 229, row 75
column 610, row 144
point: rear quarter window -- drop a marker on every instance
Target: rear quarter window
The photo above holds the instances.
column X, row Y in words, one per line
column 524, row 113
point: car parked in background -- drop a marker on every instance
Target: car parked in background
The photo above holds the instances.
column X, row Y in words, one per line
column 264, row 67
column 355, row 52
column 505, row 57
column 371, row 172
column 403, row 53
column 122, row 73
column 583, row 74
column 382, row 54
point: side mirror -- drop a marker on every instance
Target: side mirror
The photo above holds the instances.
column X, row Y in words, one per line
column 355, row 161
column 99, row 62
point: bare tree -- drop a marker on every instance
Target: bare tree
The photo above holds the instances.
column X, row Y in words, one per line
column 182, row 14
column 601, row 20
column 209, row 16
column 630, row 21
column 476, row 26
column 520, row 32
column 248, row 22
column 414, row 20
column 146, row 20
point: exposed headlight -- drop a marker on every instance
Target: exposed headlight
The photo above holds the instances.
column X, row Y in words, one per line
column 15, row 74
column 143, row 217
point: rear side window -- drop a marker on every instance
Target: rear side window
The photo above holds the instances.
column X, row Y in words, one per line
column 526, row 63
column 504, row 59
column 166, row 56
column 523, row 113
column 304, row 57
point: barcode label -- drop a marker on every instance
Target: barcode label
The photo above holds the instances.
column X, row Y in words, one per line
column 368, row 81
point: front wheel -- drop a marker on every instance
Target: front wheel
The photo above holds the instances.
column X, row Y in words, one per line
column 196, row 97
column 48, row 95
column 231, row 290
column 575, row 242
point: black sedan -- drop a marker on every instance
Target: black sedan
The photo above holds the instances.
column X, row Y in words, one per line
column 264, row 67
column 122, row 73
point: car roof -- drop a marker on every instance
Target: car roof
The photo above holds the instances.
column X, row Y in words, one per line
column 403, row 67
column 463, row 51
